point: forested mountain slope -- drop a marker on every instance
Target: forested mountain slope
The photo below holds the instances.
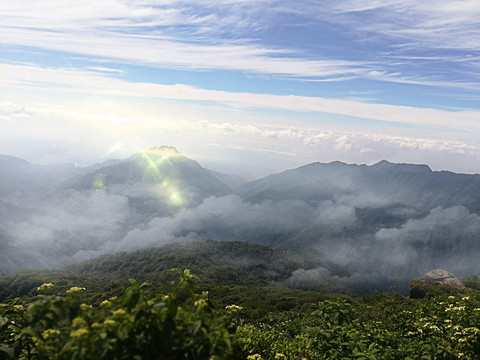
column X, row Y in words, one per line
column 216, row 263
column 384, row 223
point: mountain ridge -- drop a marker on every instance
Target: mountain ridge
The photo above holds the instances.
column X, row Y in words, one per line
column 382, row 222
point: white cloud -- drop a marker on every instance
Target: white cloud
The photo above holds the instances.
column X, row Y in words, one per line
column 49, row 133
column 432, row 24
column 77, row 81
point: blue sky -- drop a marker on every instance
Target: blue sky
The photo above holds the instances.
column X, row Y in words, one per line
column 242, row 86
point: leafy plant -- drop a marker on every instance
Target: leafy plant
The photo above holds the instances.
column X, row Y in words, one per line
column 181, row 324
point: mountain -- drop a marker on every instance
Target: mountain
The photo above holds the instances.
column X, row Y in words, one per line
column 383, row 183
column 215, row 263
column 386, row 220
column 22, row 181
column 97, row 206
column 233, row 181
column 385, row 223
column 162, row 171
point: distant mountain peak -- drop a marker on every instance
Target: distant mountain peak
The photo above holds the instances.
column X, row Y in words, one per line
column 160, row 152
column 164, row 148
column 385, row 164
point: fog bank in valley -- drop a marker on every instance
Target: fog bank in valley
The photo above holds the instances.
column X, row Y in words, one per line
column 384, row 223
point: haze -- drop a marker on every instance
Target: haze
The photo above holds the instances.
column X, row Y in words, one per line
column 246, row 87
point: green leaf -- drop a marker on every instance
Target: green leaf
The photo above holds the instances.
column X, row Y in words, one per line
column 179, row 271
column 172, row 308
column 131, row 298
column 8, row 350
column 145, row 284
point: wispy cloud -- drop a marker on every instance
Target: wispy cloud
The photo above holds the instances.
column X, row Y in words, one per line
column 141, row 33
column 95, row 134
column 432, row 24
column 161, row 52
column 199, row 35
column 94, row 83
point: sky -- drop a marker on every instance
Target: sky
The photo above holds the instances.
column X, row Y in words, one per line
column 242, row 86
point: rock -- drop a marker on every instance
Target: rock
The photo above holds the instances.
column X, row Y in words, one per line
column 433, row 283
column 437, row 276
column 453, row 283
column 440, row 276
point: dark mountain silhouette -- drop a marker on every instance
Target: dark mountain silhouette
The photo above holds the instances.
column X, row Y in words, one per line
column 160, row 167
column 410, row 185
column 22, row 181
column 385, row 223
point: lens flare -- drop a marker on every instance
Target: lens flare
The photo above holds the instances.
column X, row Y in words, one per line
column 159, row 166
column 99, row 182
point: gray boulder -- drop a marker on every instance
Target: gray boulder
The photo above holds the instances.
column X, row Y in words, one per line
column 440, row 276
column 435, row 282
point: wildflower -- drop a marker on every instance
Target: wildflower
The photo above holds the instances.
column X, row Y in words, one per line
column 451, row 297
column 18, row 308
column 119, row 313
column 280, row 356
column 78, row 321
column 233, row 307
column 254, row 357
column 113, row 298
column 85, row 306
column 75, row 289
column 411, row 333
column 460, row 355
column 200, row 303
column 79, row 333
column 448, row 320
column 96, row 325
column 109, row 322
column 420, row 331
column 465, row 298
column 49, row 332
column 476, row 309
column 105, row 303
column 45, row 286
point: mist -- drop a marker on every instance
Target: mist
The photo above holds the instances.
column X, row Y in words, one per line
column 363, row 223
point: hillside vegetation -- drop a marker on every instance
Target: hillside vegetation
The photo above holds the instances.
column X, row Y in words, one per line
column 385, row 223
column 219, row 265
column 146, row 322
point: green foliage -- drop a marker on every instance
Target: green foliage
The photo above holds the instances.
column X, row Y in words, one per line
column 181, row 324
column 472, row 282
column 258, row 324
column 216, row 263
column 382, row 326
